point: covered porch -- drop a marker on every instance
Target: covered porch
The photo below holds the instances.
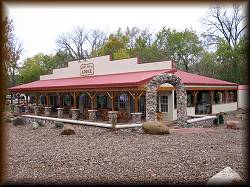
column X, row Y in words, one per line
column 92, row 105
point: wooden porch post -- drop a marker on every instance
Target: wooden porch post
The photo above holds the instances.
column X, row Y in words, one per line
column 129, row 103
column 48, row 100
column 18, row 99
column 112, row 97
column 11, row 98
column 92, row 97
column 136, row 96
column 36, row 95
column 225, row 92
column 74, row 95
column 211, row 93
column 26, row 99
column 194, row 94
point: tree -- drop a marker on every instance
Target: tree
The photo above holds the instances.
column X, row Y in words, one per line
column 232, row 62
column 75, row 43
column 183, row 47
column 41, row 64
column 12, row 48
column 207, row 66
column 32, row 69
column 132, row 34
column 96, row 39
column 223, row 23
column 117, row 43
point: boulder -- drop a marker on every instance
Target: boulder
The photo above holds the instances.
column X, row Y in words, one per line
column 155, row 127
column 15, row 114
column 59, row 124
column 7, row 119
column 35, row 125
column 40, row 123
column 18, row 121
column 225, row 177
column 233, row 124
column 68, row 130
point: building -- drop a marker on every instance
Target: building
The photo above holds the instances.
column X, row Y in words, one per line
column 120, row 85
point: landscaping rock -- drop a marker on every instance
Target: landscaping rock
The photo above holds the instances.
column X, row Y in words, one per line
column 68, row 130
column 59, row 124
column 226, row 177
column 233, row 124
column 155, row 127
column 18, row 121
column 15, row 114
column 40, row 123
column 35, row 125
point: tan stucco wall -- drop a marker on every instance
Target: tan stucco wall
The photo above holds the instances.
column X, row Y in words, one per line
column 103, row 66
column 243, row 98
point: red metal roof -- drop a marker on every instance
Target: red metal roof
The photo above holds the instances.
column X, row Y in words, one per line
column 189, row 78
column 132, row 79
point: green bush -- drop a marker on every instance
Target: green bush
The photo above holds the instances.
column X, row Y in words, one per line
column 155, row 127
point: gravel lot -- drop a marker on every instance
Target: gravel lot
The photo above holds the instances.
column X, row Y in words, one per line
column 97, row 155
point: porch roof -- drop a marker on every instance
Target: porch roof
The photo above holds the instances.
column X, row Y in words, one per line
column 122, row 80
column 194, row 79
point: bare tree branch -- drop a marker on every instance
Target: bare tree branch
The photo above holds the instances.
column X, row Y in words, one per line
column 222, row 23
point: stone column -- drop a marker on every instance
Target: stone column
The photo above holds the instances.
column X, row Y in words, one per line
column 18, row 109
column 92, row 115
column 112, row 114
column 36, row 110
column 12, row 108
column 136, row 117
column 26, row 109
column 75, row 113
column 60, row 112
column 47, row 111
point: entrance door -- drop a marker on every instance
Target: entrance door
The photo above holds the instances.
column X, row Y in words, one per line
column 163, row 103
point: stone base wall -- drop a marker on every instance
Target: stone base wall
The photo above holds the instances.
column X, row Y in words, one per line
column 30, row 120
column 201, row 124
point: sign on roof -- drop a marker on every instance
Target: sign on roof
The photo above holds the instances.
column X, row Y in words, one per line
column 87, row 69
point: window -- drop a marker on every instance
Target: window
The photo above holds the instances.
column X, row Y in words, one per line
column 163, row 107
column 231, row 97
column 42, row 99
column 102, row 101
column 189, row 99
column 123, row 98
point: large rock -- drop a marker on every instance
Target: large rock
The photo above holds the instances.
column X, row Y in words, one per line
column 35, row 125
column 225, row 177
column 68, row 130
column 233, row 124
column 41, row 123
column 155, row 127
column 18, row 121
column 59, row 124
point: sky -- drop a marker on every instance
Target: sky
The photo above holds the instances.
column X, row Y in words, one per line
column 37, row 27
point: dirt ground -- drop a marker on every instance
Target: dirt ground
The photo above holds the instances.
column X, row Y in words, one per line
column 97, row 155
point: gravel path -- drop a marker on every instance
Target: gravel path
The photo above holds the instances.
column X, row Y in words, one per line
column 97, row 155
